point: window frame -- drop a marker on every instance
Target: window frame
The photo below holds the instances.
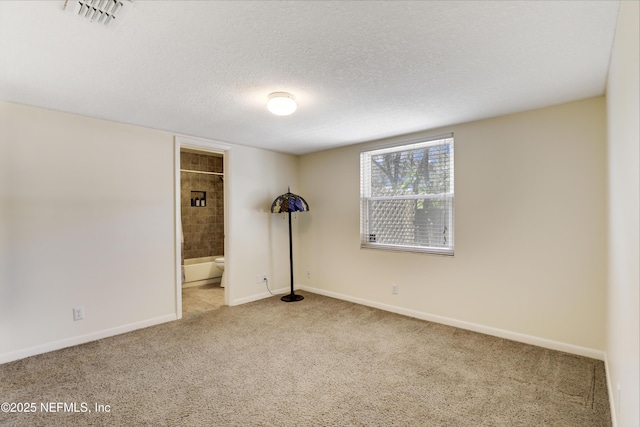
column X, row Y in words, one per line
column 365, row 195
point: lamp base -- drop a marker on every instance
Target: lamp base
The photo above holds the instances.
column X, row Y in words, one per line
column 292, row 298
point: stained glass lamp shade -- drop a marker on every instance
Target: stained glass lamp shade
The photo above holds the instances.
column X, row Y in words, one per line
column 289, row 202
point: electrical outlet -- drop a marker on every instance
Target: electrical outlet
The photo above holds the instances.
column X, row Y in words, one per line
column 261, row 278
column 308, row 274
column 394, row 289
column 78, row 313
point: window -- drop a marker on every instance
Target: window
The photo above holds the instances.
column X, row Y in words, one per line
column 406, row 197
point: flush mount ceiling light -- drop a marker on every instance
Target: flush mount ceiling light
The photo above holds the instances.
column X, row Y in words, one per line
column 98, row 11
column 281, row 103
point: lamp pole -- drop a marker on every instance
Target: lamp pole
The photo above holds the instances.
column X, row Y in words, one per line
column 291, row 297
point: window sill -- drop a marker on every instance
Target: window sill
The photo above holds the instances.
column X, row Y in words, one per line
column 413, row 249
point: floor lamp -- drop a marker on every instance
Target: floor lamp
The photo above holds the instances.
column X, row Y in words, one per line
column 289, row 202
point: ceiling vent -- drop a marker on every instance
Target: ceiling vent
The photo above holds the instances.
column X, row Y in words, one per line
column 105, row 12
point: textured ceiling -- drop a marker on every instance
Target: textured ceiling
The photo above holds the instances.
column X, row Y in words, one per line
column 359, row 70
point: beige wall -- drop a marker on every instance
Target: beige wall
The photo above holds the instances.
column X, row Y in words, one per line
column 530, row 223
column 87, row 218
column 88, row 209
column 624, row 156
column 260, row 242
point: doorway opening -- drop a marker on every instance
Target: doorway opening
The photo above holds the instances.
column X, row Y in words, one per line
column 200, row 205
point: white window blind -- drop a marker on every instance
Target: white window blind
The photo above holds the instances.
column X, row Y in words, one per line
column 407, row 197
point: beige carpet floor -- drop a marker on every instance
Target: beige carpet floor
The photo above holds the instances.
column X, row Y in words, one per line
column 317, row 362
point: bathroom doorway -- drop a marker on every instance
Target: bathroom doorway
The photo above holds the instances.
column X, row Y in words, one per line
column 200, row 225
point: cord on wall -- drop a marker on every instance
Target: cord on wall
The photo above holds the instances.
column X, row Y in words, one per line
column 266, row 282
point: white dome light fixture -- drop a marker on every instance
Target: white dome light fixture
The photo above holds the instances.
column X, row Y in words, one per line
column 281, row 103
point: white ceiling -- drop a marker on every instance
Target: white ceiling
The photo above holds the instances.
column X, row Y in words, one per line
column 359, row 70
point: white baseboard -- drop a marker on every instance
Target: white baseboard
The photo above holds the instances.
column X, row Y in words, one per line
column 612, row 393
column 81, row 339
column 256, row 297
column 501, row 333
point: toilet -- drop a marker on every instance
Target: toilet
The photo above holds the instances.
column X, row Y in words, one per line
column 219, row 262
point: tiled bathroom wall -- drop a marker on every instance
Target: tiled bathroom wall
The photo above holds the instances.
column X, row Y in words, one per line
column 203, row 227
